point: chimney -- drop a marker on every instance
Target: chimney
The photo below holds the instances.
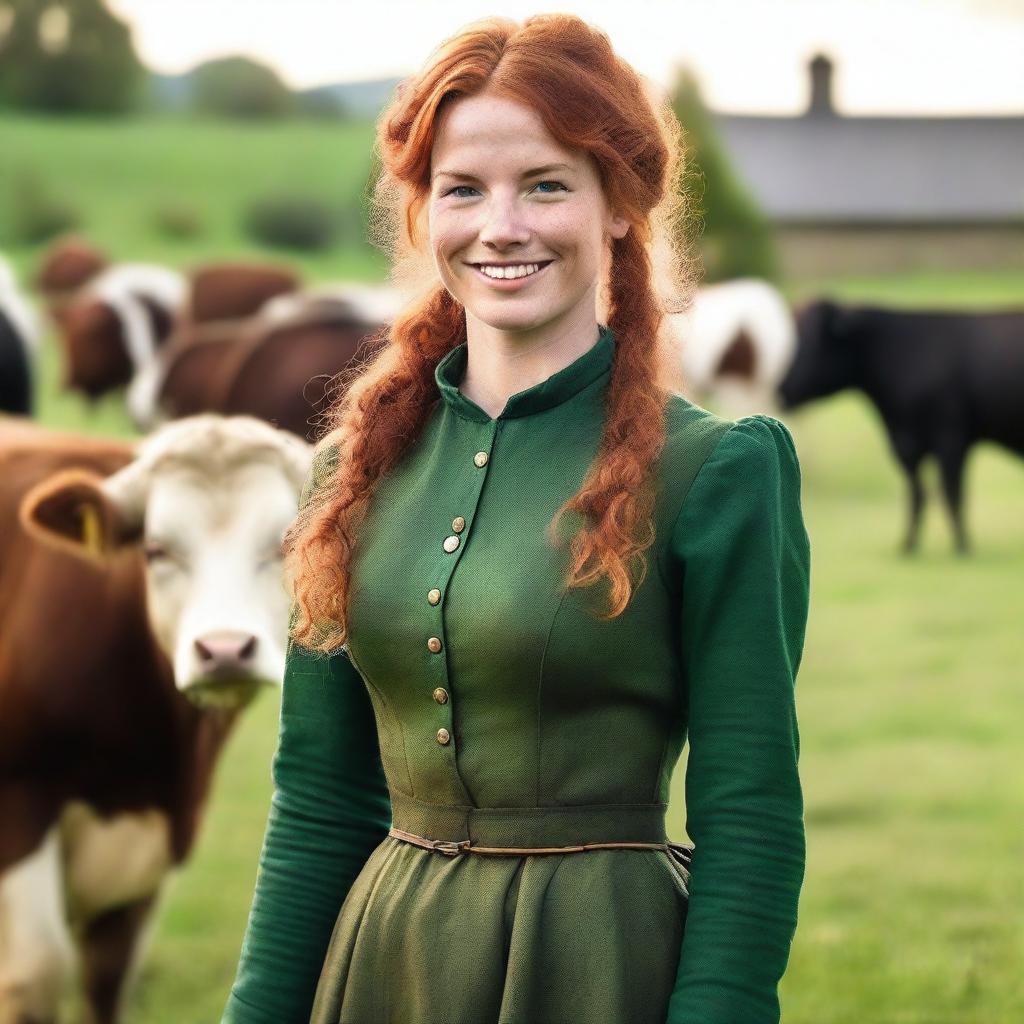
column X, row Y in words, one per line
column 821, row 87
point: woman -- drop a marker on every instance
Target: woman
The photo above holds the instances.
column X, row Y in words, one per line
column 526, row 572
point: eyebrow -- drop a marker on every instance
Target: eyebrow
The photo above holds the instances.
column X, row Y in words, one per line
column 533, row 172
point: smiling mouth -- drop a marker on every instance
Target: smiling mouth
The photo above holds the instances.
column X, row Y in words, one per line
column 510, row 271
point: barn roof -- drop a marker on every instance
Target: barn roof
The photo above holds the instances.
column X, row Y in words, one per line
column 826, row 167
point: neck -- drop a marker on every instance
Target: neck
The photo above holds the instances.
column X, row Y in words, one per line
column 502, row 363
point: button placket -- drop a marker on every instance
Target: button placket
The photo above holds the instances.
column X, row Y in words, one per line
column 451, row 549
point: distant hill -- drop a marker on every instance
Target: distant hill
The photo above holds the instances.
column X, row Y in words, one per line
column 361, row 100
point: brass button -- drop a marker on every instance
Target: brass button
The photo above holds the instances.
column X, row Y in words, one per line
column 480, row 459
column 434, row 596
column 458, row 524
column 441, row 695
column 443, row 737
column 450, row 544
column 434, row 645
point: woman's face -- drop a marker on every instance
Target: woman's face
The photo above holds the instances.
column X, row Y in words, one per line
column 518, row 224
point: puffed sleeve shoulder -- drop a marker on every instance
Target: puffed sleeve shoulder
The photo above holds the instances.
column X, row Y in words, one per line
column 742, row 553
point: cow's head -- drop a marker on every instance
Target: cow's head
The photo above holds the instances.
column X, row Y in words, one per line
column 825, row 360
column 66, row 266
column 206, row 500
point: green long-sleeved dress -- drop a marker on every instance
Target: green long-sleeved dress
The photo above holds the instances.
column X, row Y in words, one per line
column 479, row 700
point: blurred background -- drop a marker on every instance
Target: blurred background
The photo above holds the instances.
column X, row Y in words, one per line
column 853, row 156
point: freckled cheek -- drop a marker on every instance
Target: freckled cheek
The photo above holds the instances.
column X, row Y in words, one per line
column 560, row 232
column 449, row 234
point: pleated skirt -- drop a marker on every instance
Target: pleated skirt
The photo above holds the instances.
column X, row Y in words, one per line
column 582, row 938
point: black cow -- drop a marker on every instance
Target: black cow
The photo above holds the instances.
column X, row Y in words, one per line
column 18, row 336
column 940, row 380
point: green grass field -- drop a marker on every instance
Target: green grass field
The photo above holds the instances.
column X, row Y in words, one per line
column 118, row 175
column 910, row 696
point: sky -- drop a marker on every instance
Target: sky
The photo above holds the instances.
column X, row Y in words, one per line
column 892, row 56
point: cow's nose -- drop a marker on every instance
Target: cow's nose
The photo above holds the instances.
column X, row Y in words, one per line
column 226, row 651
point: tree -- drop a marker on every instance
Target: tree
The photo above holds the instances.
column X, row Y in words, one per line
column 240, row 87
column 68, row 56
column 736, row 239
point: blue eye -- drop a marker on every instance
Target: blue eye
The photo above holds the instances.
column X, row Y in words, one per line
column 458, row 189
column 557, row 184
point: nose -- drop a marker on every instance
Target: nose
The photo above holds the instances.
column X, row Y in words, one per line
column 226, row 652
column 504, row 225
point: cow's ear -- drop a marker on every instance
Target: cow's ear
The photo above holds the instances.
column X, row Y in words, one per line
column 70, row 511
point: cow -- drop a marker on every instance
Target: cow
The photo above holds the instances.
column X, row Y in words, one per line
column 142, row 606
column 284, row 365
column 115, row 324
column 736, row 340
column 301, row 351
column 185, row 379
column 227, row 291
column 19, row 345
column 940, row 381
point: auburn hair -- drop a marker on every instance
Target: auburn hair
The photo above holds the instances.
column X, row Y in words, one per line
column 589, row 99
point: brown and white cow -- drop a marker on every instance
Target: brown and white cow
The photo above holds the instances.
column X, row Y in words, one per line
column 141, row 606
column 285, row 364
column 736, row 341
column 114, row 325
column 227, row 291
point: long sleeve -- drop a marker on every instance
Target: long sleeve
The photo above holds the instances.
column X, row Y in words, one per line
column 740, row 545
column 329, row 810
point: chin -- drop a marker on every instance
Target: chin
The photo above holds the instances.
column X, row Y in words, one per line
column 512, row 325
column 512, row 320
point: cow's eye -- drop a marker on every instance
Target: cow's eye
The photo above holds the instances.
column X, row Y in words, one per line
column 154, row 551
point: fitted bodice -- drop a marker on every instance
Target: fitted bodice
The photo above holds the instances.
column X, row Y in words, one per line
column 510, row 691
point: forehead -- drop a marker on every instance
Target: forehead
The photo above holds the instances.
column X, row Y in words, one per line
column 475, row 127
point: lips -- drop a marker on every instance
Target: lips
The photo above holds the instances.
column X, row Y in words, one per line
column 510, row 273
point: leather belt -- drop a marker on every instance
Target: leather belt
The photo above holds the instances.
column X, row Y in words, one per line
column 529, row 827
column 450, row 848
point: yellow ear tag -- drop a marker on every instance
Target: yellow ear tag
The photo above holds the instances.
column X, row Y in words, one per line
column 92, row 534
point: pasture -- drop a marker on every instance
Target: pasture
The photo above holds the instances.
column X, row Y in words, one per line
column 118, row 176
column 910, row 696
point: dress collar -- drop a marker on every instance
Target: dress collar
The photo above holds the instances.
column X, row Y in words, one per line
column 558, row 388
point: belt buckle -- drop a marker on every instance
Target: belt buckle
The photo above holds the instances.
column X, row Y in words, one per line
column 451, row 848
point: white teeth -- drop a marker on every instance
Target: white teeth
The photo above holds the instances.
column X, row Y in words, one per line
column 503, row 273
